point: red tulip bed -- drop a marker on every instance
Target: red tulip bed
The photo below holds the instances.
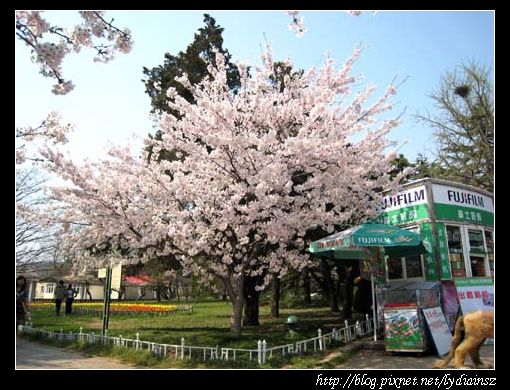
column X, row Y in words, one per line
column 120, row 308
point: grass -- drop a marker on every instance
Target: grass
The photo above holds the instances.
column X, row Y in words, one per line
column 208, row 325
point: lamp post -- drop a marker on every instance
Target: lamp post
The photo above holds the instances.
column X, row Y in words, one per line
column 107, row 294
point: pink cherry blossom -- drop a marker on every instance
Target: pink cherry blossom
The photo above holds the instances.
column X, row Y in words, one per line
column 50, row 130
column 297, row 26
column 35, row 31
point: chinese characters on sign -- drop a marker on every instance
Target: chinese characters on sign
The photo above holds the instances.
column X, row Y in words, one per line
column 484, row 295
column 469, row 215
column 475, row 294
column 399, row 217
column 439, row 329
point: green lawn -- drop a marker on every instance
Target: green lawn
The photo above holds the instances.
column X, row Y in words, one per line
column 208, row 325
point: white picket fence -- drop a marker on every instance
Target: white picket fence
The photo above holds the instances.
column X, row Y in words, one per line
column 182, row 351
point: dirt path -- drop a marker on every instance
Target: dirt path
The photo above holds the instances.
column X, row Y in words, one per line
column 32, row 355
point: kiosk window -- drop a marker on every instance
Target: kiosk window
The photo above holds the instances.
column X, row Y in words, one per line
column 488, row 241
column 413, row 267
column 405, row 267
column 454, row 239
column 477, row 266
column 476, row 241
column 490, row 250
column 395, row 270
column 455, row 251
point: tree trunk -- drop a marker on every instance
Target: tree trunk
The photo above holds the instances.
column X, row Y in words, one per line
column 341, row 276
column 177, row 290
column 295, row 285
column 333, row 301
column 275, row 301
column 237, row 314
column 236, row 292
column 251, row 304
column 306, row 286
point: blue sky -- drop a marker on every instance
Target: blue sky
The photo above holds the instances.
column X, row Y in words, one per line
column 109, row 103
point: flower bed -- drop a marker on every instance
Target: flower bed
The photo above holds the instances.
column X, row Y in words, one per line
column 126, row 308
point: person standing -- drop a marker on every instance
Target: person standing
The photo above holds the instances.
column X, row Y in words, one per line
column 22, row 312
column 362, row 302
column 60, row 295
column 70, row 294
column 351, row 273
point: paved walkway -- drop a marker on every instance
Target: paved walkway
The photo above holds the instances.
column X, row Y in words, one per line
column 380, row 359
column 32, row 355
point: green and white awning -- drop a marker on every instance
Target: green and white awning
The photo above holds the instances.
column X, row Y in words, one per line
column 355, row 243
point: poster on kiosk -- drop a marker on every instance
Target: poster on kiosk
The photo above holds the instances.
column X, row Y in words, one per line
column 475, row 294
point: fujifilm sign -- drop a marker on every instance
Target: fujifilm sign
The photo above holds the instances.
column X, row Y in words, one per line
column 407, row 198
column 461, row 197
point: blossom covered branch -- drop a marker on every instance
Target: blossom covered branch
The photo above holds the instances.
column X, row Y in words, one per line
column 297, row 25
column 50, row 130
column 36, row 32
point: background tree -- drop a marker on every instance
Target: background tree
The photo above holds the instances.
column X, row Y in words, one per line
column 464, row 126
column 193, row 62
column 422, row 168
column 157, row 269
column 34, row 242
column 399, row 164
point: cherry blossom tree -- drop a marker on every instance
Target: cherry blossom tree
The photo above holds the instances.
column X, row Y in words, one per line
column 38, row 34
column 256, row 171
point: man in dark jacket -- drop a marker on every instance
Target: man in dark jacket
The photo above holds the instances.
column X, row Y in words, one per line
column 60, row 293
column 362, row 302
column 351, row 273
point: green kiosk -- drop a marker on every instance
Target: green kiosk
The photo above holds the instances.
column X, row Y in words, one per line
column 455, row 222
